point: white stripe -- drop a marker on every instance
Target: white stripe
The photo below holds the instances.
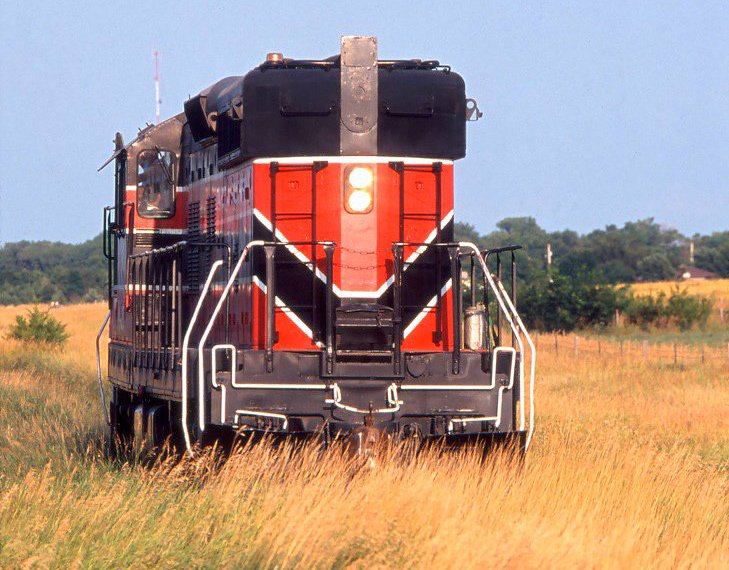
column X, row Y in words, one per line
column 284, row 309
column 351, row 159
column 293, row 249
column 421, row 315
column 161, row 231
column 354, row 294
column 143, row 288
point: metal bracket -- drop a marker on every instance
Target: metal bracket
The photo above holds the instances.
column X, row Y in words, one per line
column 359, row 107
column 473, row 113
column 392, row 399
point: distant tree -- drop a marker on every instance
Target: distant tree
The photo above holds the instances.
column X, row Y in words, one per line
column 712, row 252
column 655, row 267
column 40, row 272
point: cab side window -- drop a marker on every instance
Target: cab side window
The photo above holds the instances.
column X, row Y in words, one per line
column 156, row 183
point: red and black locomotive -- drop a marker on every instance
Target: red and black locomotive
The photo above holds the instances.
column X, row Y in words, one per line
column 282, row 259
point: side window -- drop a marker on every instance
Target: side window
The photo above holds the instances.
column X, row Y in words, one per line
column 156, row 183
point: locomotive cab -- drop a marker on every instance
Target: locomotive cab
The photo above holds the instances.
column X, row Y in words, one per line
column 282, row 259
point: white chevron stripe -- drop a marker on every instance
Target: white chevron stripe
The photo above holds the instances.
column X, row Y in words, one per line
column 353, row 294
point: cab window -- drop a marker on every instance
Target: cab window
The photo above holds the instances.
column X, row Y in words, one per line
column 156, row 183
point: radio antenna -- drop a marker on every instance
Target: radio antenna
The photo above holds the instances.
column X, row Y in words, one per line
column 157, row 100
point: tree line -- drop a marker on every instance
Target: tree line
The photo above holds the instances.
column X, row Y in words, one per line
column 581, row 287
column 45, row 272
column 578, row 290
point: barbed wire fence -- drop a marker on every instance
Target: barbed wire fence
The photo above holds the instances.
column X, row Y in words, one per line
column 576, row 346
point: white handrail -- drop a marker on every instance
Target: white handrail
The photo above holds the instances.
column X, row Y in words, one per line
column 500, row 401
column 498, row 291
column 211, row 322
column 185, row 345
column 98, row 368
column 532, row 369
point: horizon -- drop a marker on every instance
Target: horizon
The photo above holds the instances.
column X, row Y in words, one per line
column 592, row 115
column 480, row 231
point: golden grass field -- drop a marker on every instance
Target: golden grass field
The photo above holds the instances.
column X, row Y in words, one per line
column 629, row 469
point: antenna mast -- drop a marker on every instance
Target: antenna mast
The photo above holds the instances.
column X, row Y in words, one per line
column 157, row 100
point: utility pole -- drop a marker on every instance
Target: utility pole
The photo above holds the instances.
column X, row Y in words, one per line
column 691, row 252
column 157, row 100
column 548, row 256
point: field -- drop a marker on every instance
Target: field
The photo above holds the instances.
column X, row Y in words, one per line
column 629, row 468
column 716, row 288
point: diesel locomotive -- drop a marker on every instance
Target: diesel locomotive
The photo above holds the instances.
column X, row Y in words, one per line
column 281, row 260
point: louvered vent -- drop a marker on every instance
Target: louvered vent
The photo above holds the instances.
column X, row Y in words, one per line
column 193, row 253
column 209, row 230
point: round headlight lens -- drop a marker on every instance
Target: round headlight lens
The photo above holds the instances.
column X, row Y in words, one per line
column 359, row 200
column 361, row 177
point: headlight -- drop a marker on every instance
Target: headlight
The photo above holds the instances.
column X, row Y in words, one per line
column 359, row 201
column 361, row 177
column 359, row 189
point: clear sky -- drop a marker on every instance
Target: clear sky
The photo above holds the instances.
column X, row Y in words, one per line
column 594, row 114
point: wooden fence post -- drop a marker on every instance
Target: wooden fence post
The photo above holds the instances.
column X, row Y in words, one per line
column 675, row 352
column 703, row 360
column 556, row 345
column 599, row 347
column 577, row 344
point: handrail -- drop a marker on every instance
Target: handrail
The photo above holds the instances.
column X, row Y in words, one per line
column 487, row 252
column 498, row 292
column 178, row 245
column 500, row 398
column 185, row 345
column 224, row 295
column 507, row 309
column 532, row 369
column 98, row 368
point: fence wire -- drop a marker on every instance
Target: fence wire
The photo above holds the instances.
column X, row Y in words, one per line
column 575, row 346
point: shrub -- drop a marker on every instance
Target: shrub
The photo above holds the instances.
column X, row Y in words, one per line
column 599, row 303
column 687, row 310
column 647, row 311
column 38, row 327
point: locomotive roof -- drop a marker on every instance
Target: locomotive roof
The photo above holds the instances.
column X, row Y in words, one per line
column 348, row 104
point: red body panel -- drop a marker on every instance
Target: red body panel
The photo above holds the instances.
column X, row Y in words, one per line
column 363, row 257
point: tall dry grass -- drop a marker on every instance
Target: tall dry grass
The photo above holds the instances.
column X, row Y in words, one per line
column 629, row 468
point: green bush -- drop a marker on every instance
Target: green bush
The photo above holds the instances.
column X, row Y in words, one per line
column 687, row 310
column 563, row 304
column 647, row 312
column 38, row 327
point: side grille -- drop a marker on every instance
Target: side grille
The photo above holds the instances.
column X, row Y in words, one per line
column 209, row 230
column 193, row 235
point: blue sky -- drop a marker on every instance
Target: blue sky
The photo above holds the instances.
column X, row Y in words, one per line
column 594, row 114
